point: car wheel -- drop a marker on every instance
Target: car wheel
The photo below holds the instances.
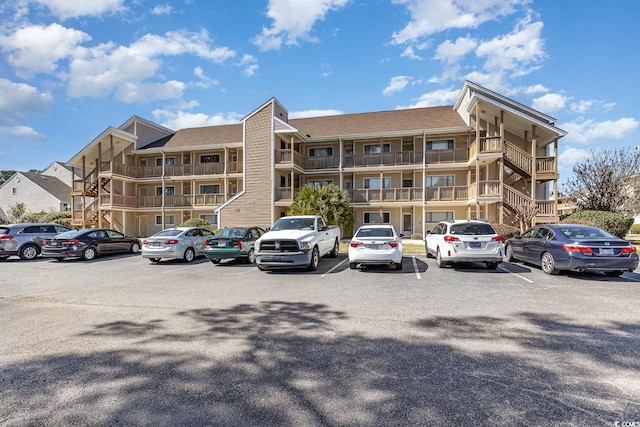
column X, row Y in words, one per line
column 429, row 254
column 154, row 260
column 135, row 248
column 613, row 273
column 335, row 250
column 28, row 252
column 439, row 262
column 89, row 253
column 251, row 258
column 548, row 264
column 315, row 260
column 353, row 265
column 509, row 254
column 399, row 266
column 189, row 254
column 492, row 265
column 215, row 261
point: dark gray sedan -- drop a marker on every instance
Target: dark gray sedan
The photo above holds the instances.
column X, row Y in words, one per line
column 572, row 247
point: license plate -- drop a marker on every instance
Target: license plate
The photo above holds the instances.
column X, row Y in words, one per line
column 606, row 251
column 475, row 245
column 53, row 243
column 156, row 244
column 222, row 243
column 375, row 247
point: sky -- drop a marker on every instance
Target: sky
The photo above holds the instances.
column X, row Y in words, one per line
column 69, row 69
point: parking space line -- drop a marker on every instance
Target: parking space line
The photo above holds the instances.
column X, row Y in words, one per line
column 515, row 274
column 334, row 267
column 415, row 267
column 173, row 270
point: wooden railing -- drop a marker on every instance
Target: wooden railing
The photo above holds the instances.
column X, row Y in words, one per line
column 488, row 188
column 514, row 198
column 449, row 193
column 518, row 157
column 546, row 164
column 216, row 168
column 447, row 156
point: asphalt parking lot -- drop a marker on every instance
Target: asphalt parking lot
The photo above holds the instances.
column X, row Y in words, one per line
column 122, row 341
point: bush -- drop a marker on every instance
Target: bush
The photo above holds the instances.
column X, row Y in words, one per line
column 63, row 218
column 635, row 229
column 195, row 222
column 614, row 223
column 506, row 231
column 416, row 236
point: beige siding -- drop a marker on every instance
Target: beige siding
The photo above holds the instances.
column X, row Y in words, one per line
column 254, row 206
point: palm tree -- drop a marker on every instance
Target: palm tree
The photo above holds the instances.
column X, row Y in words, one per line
column 328, row 201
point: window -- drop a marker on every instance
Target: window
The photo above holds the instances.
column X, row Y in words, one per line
column 186, row 159
column 168, row 191
column 210, row 158
column 319, row 182
column 432, row 217
column 321, row 152
column 374, row 218
column 211, row 219
column 14, row 190
column 374, row 183
column 407, row 182
column 377, row 148
column 167, row 161
column 143, row 163
column 168, row 220
column 443, row 144
column 439, row 181
column 210, row 189
column 66, row 207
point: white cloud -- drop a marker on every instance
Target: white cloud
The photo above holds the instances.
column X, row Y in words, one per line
column 20, row 97
column 250, row 64
column 147, row 92
column 396, row 84
column 587, row 131
column 162, row 9
column 534, row 89
column 433, row 16
column 581, row 107
column 184, row 120
column 293, row 20
column 100, row 70
column 451, row 52
column 314, row 113
column 64, row 9
column 570, row 156
column 550, row 102
column 25, row 132
column 204, row 81
column 435, row 98
column 37, row 49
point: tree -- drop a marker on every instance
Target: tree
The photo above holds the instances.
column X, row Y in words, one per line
column 608, row 180
column 17, row 212
column 524, row 215
column 5, row 175
column 328, row 201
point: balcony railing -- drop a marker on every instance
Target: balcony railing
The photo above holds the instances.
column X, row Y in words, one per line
column 196, row 169
column 182, row 200
column 447, row 193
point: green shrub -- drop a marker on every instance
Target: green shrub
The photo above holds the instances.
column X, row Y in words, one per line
column 63, row 218
column 635, row 229
column 614, row 223
column 506, row 231
column 195, row 222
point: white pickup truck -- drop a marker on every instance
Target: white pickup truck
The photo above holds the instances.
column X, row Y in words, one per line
column 297, row 242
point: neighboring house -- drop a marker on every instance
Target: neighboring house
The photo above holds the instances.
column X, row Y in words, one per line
column 483, row 157
column 38, row 192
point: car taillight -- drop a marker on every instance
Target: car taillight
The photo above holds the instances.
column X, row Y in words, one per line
column 628, row 250
column 206, row 244
column 578, row 248
column 450, row 239
column 171, row 242
column 355, row 244
column 393, row 244
column 69, row 241
column 239, row 244
column 145, row 241
column 497, row 239
column 6, row 237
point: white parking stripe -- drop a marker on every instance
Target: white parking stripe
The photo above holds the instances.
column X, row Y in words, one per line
column 335, row 266
column 515, row 274
column 415, row 267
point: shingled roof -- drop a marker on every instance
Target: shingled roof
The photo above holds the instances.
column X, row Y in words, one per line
column 210, row 135
column 50, row 184
column 379, row 122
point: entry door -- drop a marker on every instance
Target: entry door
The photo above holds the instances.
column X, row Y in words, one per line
column 407, row 224
column 143, row 226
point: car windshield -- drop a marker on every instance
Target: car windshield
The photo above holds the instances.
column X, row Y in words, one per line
column 70, row 234
column 585, row 232
column 293, row 224
column 168, row 233
column 472, row 229
column 230, row 233
column 374, row 232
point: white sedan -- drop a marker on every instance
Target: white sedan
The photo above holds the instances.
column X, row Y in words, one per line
column 376, row 244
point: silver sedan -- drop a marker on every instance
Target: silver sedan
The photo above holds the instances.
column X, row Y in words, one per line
column 183, row 243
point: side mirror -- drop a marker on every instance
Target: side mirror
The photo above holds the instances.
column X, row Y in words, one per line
column 400, row 235
column 517, row 236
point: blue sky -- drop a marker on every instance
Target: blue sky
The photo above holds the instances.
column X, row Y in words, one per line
column 71, row 68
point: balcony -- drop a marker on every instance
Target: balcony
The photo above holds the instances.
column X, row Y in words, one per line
column 197, row 169
column 178, row 201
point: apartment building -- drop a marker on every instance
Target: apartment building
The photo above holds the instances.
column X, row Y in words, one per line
column 483, row 157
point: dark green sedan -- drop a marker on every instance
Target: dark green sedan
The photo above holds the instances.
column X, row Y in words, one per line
column 233, row 243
